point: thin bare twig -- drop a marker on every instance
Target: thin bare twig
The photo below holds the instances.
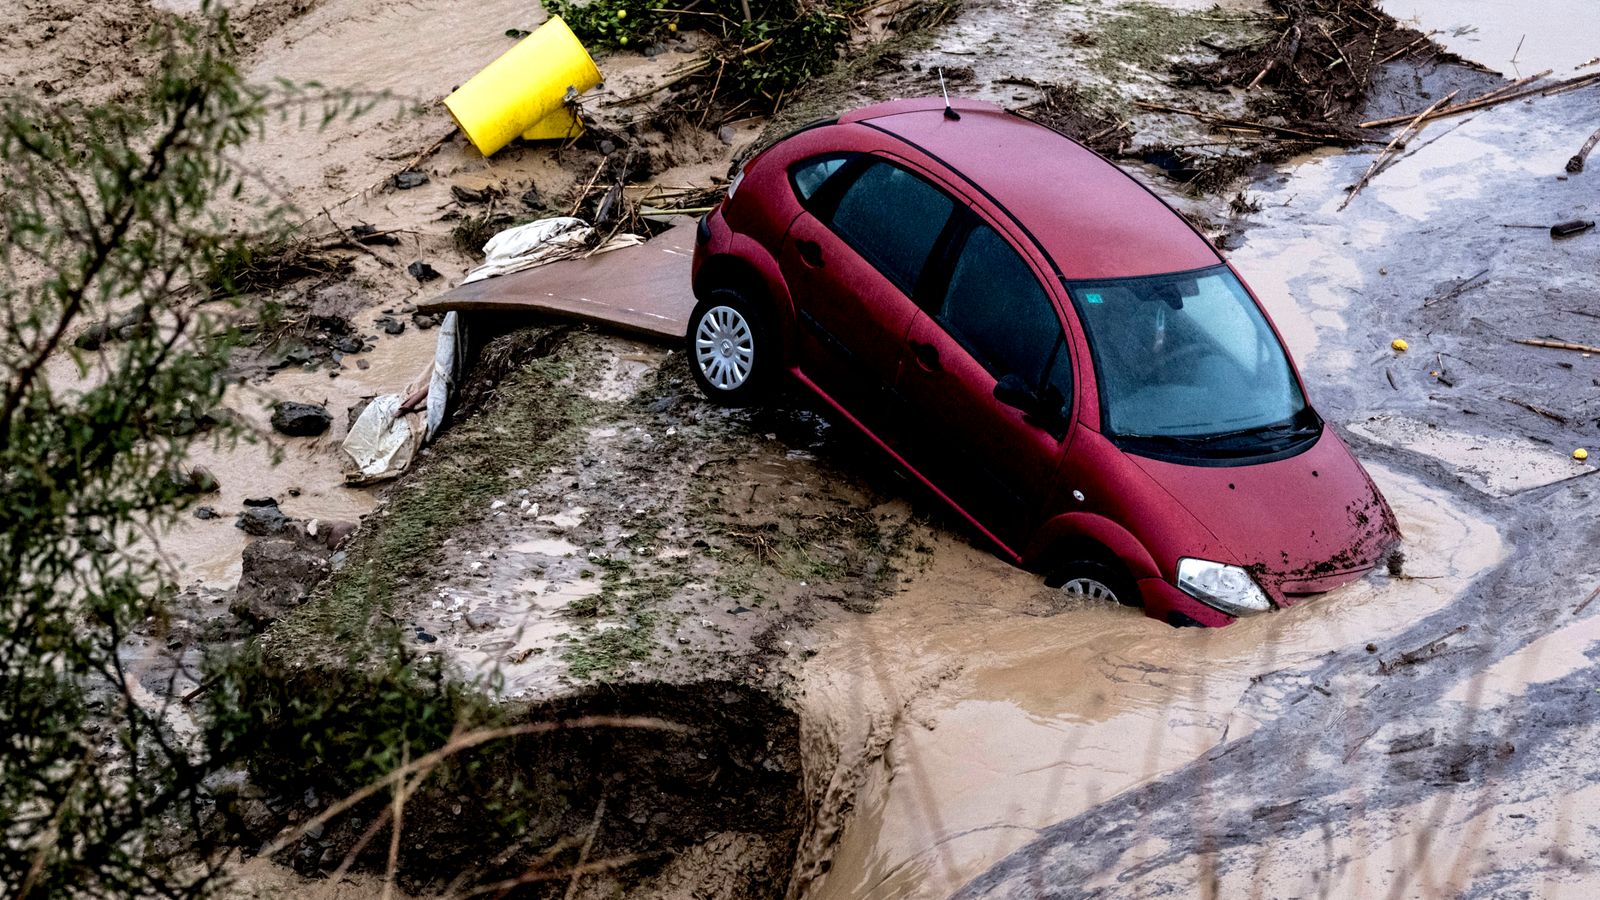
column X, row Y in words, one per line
column 458, row 745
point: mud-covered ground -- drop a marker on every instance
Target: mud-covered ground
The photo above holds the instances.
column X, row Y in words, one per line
column 949, row 726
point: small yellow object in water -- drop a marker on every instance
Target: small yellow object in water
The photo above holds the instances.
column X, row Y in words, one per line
column 1400, row 344
column 1580, row 453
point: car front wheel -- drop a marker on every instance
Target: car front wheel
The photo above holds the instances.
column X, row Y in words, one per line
column 730, row 348
column 1096, row 581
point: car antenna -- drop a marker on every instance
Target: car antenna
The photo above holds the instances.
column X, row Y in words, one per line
column 949, row 111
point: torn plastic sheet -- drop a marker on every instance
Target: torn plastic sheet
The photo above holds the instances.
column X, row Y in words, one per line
column 540, row 242
column 387, row 435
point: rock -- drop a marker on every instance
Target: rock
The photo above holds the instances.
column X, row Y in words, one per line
column 335, row 534
column 421, row 271
column 262, row 521
column 277, row 575
column 93, row 337
column 481, row 619
column 232, row 783
column 464, row 194
column 391, row 325
column 350, row 343
column 206, row 513
column 300, row 419
column 260, row 501
column 409, row 179
column 532, row 199
column 726, row 134
column 425, row 637
column 424, row 321
column 195, row 480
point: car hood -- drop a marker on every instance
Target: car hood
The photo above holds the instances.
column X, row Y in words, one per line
column 1301, row 525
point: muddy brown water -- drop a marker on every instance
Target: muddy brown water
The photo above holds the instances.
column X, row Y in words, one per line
column 1009, row 713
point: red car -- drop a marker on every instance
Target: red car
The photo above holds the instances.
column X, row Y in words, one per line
column 1043, row 343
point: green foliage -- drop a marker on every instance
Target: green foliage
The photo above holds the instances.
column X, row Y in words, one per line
column 781, row 46
column 110, row 214
column 107, row 208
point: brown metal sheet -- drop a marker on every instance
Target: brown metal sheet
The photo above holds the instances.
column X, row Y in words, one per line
column 643, row 289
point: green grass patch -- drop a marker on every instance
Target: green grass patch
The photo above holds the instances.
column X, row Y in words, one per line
column 533, row 423
column 1148, row 37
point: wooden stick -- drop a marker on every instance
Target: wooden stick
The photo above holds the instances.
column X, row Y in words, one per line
column 1253, row 126
column 1587, row 600
column 1497, row 96
column 1575, row 164
column 1406, row 49
column 1461, row 286
column 1556, row 345
column 1389, row 151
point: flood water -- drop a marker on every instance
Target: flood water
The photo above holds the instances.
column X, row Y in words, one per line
column 1017, row 714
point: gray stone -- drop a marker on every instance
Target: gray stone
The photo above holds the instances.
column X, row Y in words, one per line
column 262, row 521
column 481, row 619
column 300, row 419
column 277, row 576
column 409, row 179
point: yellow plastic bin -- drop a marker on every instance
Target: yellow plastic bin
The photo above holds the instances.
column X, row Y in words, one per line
column 523, row 92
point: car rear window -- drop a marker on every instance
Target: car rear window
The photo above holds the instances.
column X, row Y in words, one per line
column 892, row 218
column 810, row 175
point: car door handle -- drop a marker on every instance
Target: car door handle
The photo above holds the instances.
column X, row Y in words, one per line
column 927, row 356
column 811, row 252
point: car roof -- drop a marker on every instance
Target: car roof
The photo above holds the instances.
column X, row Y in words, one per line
column 1093, row 219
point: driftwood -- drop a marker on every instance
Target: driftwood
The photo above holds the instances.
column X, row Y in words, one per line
column 1393, row 147
column 1580, row 607
column 1461, row 287
column 1503, row 94
column 1553, row 416
column 1321, row 137
column 1420, row 654
column 1575, row 164
column 1556, row 345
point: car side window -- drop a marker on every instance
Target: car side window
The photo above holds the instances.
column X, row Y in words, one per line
column 996, row 308
column 893, row 218
column 809, row 175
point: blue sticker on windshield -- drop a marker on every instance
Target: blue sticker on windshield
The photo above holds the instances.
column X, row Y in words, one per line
column 1093, row 298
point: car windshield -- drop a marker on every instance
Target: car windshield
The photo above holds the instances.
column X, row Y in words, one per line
column 1189, row 357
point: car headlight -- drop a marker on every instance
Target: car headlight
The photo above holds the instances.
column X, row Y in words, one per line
column 1223, row 587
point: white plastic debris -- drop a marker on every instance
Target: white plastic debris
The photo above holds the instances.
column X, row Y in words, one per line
column 540, row 242
column 382, row 442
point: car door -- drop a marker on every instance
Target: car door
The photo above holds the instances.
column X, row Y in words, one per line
column 853, row 262
column 993, row 324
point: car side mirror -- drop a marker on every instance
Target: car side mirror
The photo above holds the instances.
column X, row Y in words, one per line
column 1041, row 411
column 1014, row 392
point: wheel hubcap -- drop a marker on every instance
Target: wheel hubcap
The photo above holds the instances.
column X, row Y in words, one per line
column 724, row 347
column 1088, row 589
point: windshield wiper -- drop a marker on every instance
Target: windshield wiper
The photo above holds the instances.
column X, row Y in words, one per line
column 1280, row 429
